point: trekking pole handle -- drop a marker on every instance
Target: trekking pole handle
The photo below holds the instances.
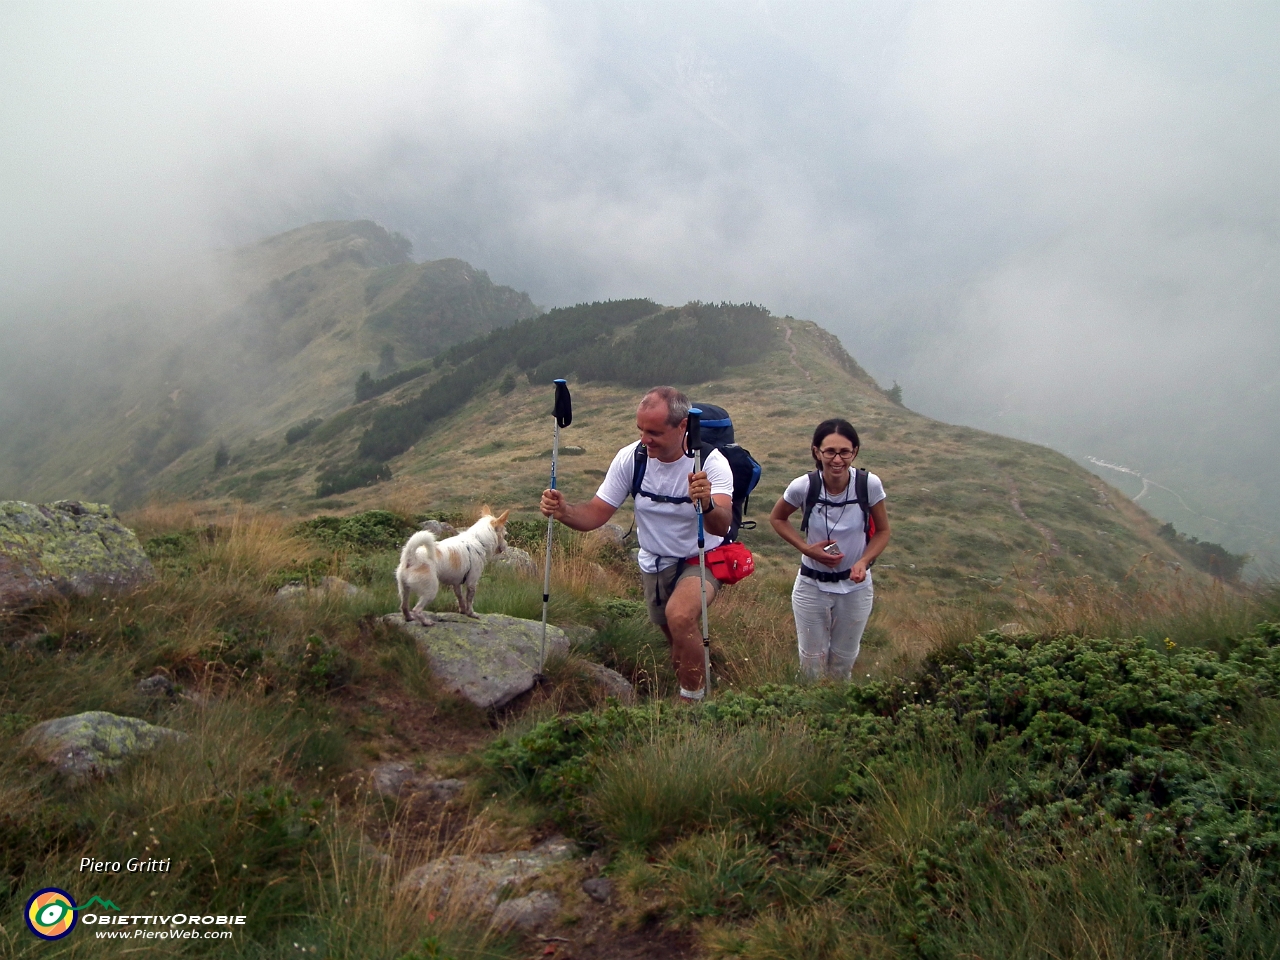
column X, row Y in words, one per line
column 694, row 434
column 564, row 416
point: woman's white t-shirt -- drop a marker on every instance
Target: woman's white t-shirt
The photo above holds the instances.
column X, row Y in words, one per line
column 843, row 522
column 666, row 531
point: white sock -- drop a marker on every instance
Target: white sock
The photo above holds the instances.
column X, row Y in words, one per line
column 693, row 694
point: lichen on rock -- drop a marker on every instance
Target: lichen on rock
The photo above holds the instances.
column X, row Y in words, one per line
column 483, row 883
column 67, row 547
column 490, row 660
column 94, row 744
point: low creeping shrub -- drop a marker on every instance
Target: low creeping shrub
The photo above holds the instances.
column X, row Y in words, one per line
column 1008, row 758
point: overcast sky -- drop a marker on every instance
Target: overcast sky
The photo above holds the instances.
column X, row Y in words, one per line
column 1055, row 220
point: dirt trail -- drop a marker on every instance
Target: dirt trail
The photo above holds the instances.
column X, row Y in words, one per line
column 796, row 363
column 1054, row 547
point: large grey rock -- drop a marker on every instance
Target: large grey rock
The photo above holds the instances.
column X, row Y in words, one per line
column 441, row 790
column 327, row 586
column 516, row 559
column 388, row 779
column 156, row 685
column 439, row 529
column 490, row 660
column 613, row 534
column 93, row 744
column 65, row 548
column 526, row 913
column 611, row 682
column 482, row 880
column 392, row 779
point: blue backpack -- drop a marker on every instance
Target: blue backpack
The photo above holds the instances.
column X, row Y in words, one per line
column 717, row 434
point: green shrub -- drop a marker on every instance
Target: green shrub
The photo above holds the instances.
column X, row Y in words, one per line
column 367, row 387
column 301, row 431
column 322, row 666
column 341, row 477
column 1136, row 780
column 371, row 530
column 1210, row 557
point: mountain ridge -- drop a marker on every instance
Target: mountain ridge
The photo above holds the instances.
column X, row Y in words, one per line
column 967, row 507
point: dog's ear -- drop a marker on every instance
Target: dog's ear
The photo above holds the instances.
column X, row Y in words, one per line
column 501, row 518
column 485, row 511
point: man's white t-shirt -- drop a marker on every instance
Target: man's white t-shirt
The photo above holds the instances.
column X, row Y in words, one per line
column 667, row 531
column 844, row 522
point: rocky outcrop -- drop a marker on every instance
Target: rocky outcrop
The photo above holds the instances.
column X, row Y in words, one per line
column 526, row 913
column 439, row 529
column 94, row 744
column 490, row 660
column 610, row 681
column 65, row 548
column 327, row 586
column 157, row 685
column 612, row 534
column 392, row 779
column 485, row 883
column 516, row 559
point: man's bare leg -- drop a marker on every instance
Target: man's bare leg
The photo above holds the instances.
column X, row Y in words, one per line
column 684, row 630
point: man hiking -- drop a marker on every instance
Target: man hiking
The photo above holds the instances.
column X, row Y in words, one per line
column 666, row 522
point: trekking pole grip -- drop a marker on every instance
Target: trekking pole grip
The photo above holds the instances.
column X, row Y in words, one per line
column 695, row 436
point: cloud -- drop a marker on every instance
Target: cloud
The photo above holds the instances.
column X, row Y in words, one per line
column 1054, row 219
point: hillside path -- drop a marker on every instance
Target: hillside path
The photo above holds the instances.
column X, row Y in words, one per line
column 1054, row 547
column 796, row 363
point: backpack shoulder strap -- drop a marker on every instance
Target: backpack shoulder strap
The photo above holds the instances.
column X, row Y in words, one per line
column 861, row 495
column 811, row 498
column 641, row 461
column 637, row 477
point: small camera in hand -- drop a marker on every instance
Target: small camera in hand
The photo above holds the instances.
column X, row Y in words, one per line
column 831, row 548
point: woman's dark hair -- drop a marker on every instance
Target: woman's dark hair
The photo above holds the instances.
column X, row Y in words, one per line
column 826, row 428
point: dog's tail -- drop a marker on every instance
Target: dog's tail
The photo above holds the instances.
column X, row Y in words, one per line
column 423, row 540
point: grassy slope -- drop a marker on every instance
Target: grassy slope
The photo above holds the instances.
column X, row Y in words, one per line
column 287, row 704
column 274, row 333
column 952, row 490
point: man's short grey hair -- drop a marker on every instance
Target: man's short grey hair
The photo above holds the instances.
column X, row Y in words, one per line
column 677, row 403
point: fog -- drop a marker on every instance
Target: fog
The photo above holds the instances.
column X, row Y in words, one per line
column 1057, row 221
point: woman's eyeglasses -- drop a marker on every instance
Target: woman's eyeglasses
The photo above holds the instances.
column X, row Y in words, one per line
column 837, row 454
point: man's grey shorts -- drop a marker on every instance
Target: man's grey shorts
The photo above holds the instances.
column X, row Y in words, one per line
column 659, row 586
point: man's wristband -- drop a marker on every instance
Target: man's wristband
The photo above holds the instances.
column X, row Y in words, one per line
column 708, row 509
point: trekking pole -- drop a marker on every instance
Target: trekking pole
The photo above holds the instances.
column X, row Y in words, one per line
column 563, row 417
column 695, row 447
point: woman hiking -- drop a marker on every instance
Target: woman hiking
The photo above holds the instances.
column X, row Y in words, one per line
column 844, row 528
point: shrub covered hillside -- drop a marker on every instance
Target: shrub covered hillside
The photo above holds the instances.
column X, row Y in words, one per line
column 272, row 336
column 1017, row 797
column 697, row 342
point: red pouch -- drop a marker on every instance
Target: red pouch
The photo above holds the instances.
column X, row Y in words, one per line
column 729, row 562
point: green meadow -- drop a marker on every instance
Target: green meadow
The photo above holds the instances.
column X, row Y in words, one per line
column 1100, row 782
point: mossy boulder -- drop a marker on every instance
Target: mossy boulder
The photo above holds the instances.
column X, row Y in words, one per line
column 67, row 547
column 93, row 744
column 489, row 661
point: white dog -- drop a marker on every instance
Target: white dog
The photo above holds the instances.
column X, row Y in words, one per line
column 458, row 561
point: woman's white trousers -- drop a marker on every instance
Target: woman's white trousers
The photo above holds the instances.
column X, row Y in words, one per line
column 829, row 627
